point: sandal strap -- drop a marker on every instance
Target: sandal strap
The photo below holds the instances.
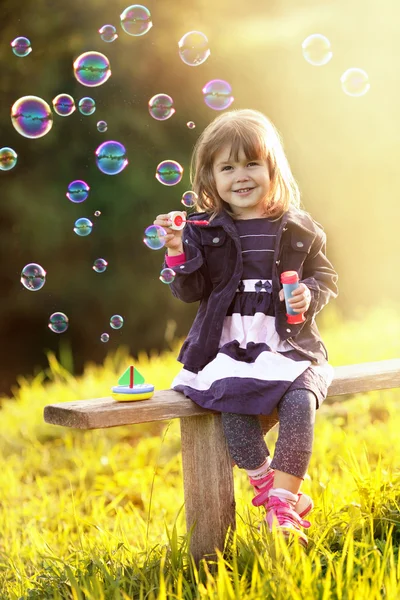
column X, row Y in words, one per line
column 284, row 513
column 262, row 497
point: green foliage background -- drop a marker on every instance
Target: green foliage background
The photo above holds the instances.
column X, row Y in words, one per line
column 343, row 152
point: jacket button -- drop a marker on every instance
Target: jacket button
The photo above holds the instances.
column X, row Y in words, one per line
column 182, row 267
column 277, row 262
column 299, row 244
column 288, row 330
column 216, row 240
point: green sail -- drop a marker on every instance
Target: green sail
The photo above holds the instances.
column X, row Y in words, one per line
column 126, row 377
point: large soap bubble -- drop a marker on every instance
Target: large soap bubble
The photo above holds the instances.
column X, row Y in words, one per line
column 108, row 33
column 189, row 199
column 154, row 237
column 87, row 106
column 102, row 126
column 169, row 172
column 64, row 105
column 92, row 69
column 100, row 265
column 167, row 276
column 8, row 158
column 111, row 157
column 116, row 322
column 58, row 322
column 194, row 48
column 21, row 46
column 77, row 191
column 218, row 94
column 136, row 20
column 33, row 277
column 355, row 82
column 83, row 227
column 31, row 117
column 317, row 50
column 161, row 107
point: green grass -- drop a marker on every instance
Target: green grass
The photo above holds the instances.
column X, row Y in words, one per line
column 100, row 514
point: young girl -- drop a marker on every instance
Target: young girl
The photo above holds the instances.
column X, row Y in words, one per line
column 241, row 357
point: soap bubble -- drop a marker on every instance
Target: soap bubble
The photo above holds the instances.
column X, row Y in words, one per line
column 102, row 126
column 190, row 124
column 64, row 105
column 21, row 46
column 58, row 322
column 8, row 158
column 86, row 106
column 136, row 20
column 100, row 265
column 355, row 82
column 154, row 237
column 116, row 322
column 83, row 227
column 92, row 69
column 108, row 33
column 161, row 107
column 194, row 48
column 97, row 213
column 77, row 191
column 167, row 275
column 317, row 50
column 189, row 199
column 218, row 94
column 33, row 277
column 31, row 117
column 104, row 337
column 169, row 172
column 111, row 157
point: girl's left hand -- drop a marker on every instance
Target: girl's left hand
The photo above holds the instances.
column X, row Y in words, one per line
column 300, row 299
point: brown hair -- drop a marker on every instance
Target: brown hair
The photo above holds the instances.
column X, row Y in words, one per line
column 252, row 131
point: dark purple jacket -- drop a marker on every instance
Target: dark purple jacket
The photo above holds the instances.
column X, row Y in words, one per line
column 213, row 270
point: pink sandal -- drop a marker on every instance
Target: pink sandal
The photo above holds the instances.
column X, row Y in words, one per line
column 281, row 516
column 304, row 504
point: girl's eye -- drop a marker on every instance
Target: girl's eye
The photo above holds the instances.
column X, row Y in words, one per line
column 226, row 167
column 253, row 163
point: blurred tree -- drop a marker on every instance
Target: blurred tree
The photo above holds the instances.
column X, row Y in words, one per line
column 343, row 152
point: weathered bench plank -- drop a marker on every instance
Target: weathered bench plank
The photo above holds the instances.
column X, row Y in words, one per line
column 168, row 404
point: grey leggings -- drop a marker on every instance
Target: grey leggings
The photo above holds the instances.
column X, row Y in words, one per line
column 293, row 448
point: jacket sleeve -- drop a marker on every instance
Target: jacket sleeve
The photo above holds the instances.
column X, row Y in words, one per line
column 319, row 276
column 190, row 283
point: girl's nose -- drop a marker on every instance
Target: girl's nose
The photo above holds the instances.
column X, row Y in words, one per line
column 242, row 176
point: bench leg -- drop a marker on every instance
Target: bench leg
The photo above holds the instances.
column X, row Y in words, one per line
column 208, row 483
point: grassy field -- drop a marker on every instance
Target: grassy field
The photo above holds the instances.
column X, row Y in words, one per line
column 100, row 514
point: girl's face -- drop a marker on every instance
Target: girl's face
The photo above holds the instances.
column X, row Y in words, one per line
column 243, row 184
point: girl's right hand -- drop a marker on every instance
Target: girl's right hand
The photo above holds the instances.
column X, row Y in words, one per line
column 173, row 239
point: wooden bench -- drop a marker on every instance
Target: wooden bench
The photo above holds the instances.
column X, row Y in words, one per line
column 207, row 466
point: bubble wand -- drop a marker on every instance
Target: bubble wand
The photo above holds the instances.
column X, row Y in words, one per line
column 179, row 220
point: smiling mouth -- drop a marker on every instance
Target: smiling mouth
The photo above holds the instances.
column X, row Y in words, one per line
column 243, row 190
